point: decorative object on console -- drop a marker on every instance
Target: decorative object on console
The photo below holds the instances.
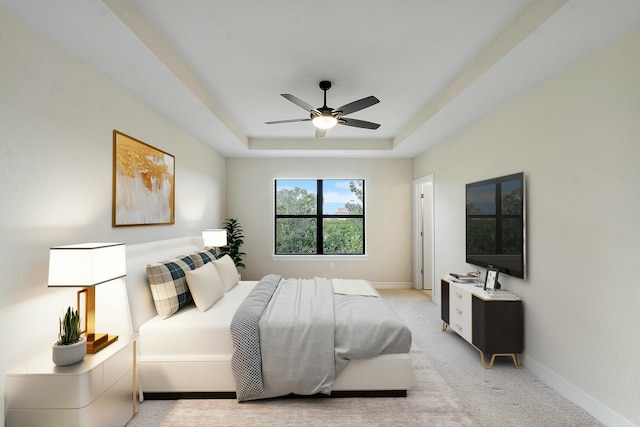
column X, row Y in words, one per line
column 234, row 241
column 143, row 183
column 71, row 346
column 87, row 265
column 469, row 277
column 491, row 279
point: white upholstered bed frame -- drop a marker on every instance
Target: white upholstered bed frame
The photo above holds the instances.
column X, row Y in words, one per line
column 165, row 375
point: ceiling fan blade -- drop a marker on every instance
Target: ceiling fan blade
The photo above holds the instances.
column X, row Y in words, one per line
column 358, row 105
column 287, row 121
column 320, row 133
column 358, row 123
column 299, row 102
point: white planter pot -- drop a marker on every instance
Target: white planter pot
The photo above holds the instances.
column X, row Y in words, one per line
column 63, row 355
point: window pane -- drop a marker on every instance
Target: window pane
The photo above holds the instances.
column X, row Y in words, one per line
column 296, row 197
column 343, row 236
column 296, row 236
column 342, row 196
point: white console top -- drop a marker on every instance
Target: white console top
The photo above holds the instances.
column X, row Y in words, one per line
column 477, row 290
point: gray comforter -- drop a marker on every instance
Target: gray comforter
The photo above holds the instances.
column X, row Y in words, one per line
column 297, row 335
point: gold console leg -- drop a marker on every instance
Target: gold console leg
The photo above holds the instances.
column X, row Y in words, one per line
column 444, row 326
column 516, row 360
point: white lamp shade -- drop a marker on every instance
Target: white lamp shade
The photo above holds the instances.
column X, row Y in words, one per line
column 86, row 264
column 214, row 237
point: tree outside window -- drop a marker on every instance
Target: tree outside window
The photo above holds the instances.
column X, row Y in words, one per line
column 319, row 217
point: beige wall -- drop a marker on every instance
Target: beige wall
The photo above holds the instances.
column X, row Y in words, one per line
column 57, row 119
column 576, row 137
column 388, row 187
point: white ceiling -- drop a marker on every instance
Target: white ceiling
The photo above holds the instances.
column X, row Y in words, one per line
column 217, row 68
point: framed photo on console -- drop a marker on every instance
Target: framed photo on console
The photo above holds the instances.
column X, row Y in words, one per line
column 491, row 278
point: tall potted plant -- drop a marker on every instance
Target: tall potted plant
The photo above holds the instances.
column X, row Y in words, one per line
column 71, row 346
column 234, row 241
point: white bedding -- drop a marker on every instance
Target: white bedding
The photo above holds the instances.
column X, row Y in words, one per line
column 192, row 332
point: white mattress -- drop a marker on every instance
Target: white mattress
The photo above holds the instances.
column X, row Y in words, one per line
column 192, row 332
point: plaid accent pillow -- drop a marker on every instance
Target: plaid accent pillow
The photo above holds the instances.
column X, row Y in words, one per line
column 168, row 283
column 200, row 258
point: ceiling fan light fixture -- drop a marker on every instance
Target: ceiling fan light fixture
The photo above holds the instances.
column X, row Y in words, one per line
column 325, row 121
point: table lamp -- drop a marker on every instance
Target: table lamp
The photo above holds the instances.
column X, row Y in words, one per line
column 88, row 265
column 214, row 237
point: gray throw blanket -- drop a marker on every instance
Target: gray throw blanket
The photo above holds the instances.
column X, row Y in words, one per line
column 246, row 361
column 296, row 336
column 297, row 339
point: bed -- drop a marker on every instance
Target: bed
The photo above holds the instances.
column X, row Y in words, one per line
column 189, row 354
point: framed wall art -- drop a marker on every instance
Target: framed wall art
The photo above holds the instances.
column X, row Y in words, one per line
column 143, row 183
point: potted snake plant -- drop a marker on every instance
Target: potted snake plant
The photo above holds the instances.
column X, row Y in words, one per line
column 71, row 346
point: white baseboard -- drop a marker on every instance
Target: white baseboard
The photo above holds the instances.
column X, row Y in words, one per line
column 392, row 285
column 598, row 410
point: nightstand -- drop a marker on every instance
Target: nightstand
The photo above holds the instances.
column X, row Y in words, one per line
column 99, row 391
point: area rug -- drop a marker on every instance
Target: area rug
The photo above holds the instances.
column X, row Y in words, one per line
column 430, row 402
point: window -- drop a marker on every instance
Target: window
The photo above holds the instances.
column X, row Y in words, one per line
column 319, row 217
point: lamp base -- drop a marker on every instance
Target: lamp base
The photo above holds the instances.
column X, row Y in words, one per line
column 96, row 342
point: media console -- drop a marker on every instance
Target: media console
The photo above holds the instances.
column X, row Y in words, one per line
column 493, row 325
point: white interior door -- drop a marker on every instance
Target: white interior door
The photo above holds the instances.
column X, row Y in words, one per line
column 424, row 233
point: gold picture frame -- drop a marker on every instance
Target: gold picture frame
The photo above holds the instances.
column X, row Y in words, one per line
column 143, row 183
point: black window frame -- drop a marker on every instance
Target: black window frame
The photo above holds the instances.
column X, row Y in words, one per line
column 319, row 216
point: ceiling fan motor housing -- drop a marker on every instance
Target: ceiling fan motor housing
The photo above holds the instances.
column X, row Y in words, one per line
column 325, row 85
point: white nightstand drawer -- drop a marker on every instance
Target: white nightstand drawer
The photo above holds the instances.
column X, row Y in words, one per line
column 118, row 365
column 39, row 384
column 95, row 392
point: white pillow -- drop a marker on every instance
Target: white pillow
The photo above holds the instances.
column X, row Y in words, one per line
column 205, row 285
column 227, row 271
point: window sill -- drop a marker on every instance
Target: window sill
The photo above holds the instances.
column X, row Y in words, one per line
column 315, row 258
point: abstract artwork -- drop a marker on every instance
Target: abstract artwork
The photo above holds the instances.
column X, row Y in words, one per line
column 143, row 183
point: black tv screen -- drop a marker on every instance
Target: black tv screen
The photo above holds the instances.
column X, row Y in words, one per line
column 495, row 224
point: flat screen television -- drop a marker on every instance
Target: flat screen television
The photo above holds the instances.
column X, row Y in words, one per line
column 495, row 224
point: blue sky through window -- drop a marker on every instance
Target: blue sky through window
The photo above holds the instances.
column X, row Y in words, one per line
column 336, row 191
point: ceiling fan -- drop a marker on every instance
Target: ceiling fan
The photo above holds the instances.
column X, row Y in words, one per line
column 324, row 118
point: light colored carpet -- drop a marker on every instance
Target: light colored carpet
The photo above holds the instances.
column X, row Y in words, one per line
column 430, row 402
column 498, row 397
